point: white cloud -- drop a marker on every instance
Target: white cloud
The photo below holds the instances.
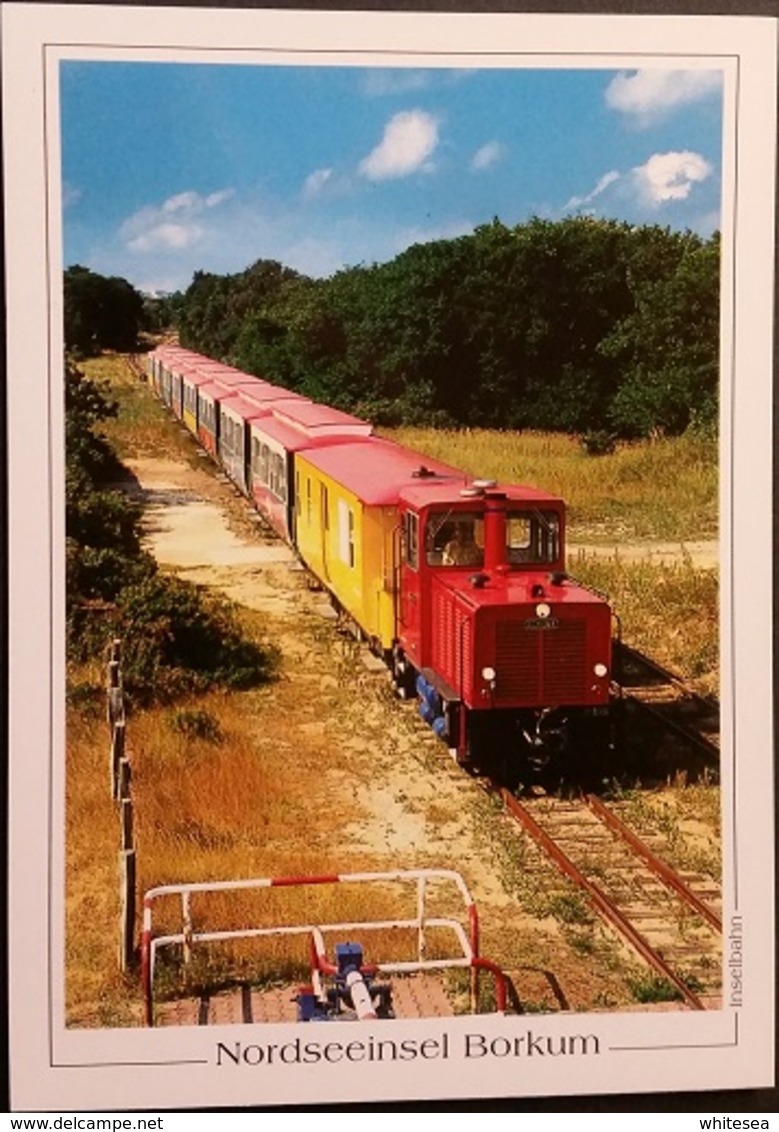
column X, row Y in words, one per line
column 488, row 155
column 647, row 96
column 670, row 176
column 172, row 225
column 166, row 236
column 315, row 182
column 604, row 182
column 410, row 138
column 219, row 197
column 183, row 202
column 378, row 83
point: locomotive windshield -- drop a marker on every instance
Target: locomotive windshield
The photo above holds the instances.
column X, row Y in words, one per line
column 532, row 537
column 455, row 538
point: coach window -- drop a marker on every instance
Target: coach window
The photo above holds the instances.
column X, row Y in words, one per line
column 411, row 532
column 264, row 458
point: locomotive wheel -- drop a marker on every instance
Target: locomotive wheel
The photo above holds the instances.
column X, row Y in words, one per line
column 403, row 675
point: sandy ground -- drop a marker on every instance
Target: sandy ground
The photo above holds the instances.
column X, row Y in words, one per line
column 705, row 555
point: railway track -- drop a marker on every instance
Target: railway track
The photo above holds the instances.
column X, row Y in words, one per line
column 672, row 922
column 665, row 696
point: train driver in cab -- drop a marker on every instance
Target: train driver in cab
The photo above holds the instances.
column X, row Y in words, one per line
column 462, row 548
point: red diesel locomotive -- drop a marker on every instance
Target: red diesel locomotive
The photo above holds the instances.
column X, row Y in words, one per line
column 510, row 657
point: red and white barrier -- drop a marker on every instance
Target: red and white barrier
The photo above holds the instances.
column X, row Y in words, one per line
column 465, row 934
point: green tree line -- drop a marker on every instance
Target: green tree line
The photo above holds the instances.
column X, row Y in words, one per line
column 576, row 325
column 107, row 313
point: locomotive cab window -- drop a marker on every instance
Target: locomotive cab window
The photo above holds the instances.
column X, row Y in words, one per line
column 411, row 539
column 532, row 537
column 454, row 538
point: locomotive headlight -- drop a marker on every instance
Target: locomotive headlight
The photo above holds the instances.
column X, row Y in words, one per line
column 488, row 674
column 543, row 610
column 600, row 670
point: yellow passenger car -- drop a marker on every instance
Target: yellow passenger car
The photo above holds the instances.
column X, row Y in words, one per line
column 346, row 525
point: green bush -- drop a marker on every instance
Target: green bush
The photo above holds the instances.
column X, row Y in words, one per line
column 599, row 442
column 197, row 724
column 178, row 638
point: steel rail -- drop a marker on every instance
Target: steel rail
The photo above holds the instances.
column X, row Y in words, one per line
column 630, row 654
column 604, row 905
column 666, row 874
column 685, row 731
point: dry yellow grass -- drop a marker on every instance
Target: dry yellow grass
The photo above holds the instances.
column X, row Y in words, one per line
column 143, row 427
column 660, row 489
column 669, row 610
column 260, row 802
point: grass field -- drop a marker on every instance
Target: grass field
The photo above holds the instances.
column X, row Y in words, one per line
column 663, row 489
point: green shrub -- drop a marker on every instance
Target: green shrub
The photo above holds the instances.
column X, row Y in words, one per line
column 599, row 442
column 179, row 638
column 196, row 724
column 653, row 988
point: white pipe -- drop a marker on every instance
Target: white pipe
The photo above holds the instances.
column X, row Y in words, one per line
column 361, row 997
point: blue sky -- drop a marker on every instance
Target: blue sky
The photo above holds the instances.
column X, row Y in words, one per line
column 170, row 168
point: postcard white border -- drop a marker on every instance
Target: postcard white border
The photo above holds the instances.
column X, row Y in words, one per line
column 55, row 1068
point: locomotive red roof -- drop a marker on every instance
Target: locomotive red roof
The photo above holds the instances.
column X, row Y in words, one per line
column 421, row 493
column 376, row 470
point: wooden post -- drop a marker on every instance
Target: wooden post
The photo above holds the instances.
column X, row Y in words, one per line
column 127, row 823
column 124, row 778
column 127, row 896
column 117, row 758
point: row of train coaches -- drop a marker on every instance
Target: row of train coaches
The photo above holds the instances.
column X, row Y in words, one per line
column 458, row 583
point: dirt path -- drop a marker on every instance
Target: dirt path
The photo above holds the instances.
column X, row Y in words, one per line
column 704, row 554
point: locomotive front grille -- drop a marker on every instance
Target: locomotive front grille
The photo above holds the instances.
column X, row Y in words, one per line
column 540, row 667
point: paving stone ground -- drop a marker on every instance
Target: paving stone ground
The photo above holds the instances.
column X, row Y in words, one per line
column 413, row 996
